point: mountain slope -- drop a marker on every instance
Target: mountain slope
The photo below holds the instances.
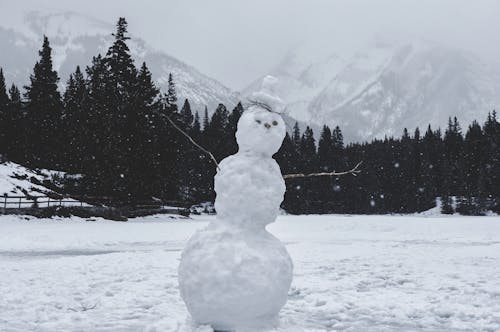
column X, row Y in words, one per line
column 75, row 39
column 386, row 88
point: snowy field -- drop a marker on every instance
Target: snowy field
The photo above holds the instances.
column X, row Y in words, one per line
column 352, row 273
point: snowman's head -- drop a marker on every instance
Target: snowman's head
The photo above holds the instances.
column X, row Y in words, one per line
column 260, row 131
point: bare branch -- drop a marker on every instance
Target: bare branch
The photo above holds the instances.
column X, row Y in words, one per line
column 192, row 140
column 354, row 172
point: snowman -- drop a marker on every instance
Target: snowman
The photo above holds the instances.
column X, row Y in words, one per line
column 234, row 275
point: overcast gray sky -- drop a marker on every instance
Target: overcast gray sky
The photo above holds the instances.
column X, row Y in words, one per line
column 236, row 41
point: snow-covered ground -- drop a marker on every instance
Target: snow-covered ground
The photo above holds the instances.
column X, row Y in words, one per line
column 352, row 273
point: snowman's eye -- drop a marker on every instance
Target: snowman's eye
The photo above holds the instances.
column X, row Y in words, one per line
column 258, row 121
column 275, row 123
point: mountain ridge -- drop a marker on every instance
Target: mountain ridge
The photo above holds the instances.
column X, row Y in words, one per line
column 76, row 38
column 380, row 90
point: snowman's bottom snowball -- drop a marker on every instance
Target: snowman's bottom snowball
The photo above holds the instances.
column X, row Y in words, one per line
column 234, row 280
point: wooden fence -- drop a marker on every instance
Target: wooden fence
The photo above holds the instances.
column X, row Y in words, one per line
column 17, row 204
column 9, row 202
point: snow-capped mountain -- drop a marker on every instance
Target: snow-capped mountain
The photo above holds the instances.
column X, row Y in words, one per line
column 372, row 92
column 386, row 87
column 76, row 38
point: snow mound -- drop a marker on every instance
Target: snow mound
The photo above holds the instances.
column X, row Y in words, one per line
column 17, row 180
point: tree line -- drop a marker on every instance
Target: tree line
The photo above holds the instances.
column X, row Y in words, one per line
column 110, row 128
column 413, row 173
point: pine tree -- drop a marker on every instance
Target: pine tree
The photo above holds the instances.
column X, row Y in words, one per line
column 198, row 162
column 96, row 116
column 4, row 116
column 72, row 122
column 416, row 165
column 121, row 70
column 308, row 164
column 308, row 151
column 232, row 123
column 4, row 98
column 453, row 142
column 14, row 124
column 296, row 136
column 44, row 111
column 338, row 138
column 196, row 128
column 406, row 169
column 233, row 118
column 121, row 84
column 287, row 159
column 186, row 115
column 337, row 159
column 110, row 118
column 171, row 96
column 474, row 159
column 325, row 150
column 296, row 141
column 187, row 156
column 286, row 156
column 491, row 130
column 216, row 131
column 206, row 119
column 329, row 157
column 431, row 167
column 145, row 166
column 416, row 135
column 213, row 138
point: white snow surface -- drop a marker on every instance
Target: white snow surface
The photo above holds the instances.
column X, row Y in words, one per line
column 351, row 273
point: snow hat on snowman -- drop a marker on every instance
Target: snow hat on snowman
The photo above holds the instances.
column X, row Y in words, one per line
column 261, row 128
column 266, row 98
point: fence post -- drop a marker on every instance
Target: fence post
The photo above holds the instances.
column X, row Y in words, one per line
column 20, row 202
column 5, row 202
column 48, row 201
